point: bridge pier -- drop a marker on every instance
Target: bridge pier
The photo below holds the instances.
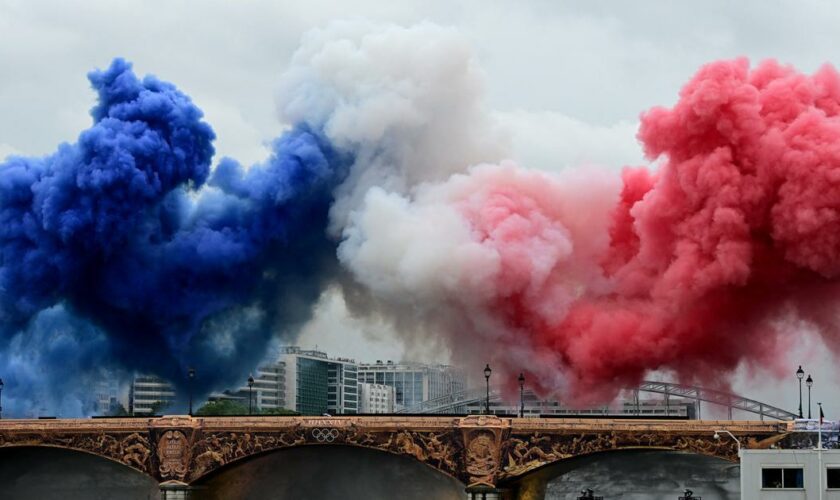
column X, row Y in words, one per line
column 487, row 493
column 175, row 490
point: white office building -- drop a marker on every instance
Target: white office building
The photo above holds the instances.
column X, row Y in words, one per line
column 413, row 383
column 376, row 398
column 109, row 397
column 342, row 387
column 790, row 474
column 149, row 395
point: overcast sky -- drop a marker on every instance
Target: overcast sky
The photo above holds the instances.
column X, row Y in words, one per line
column 569, row 80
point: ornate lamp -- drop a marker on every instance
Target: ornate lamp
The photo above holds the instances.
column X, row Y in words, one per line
column 799, row 374
column 487, row 372
column 191, row 377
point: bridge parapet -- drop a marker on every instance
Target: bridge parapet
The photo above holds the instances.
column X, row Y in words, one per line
column 480, row 451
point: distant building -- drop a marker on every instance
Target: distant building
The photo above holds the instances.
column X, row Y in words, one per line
column 413, row 383
column 342, row 387
column 109, row 398
column 376, row 398
column 316, row 384
column 149, row 395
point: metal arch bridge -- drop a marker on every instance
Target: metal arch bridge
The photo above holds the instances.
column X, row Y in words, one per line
column 455, row 402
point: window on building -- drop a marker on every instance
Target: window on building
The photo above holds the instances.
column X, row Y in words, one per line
column 782, row 477
column 832, row 477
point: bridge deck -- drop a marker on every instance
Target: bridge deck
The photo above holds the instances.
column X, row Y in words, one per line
column 414, row 423
column 477, row 449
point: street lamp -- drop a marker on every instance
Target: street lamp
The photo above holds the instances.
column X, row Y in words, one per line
column 250, row 392
column 809, row 382
column 487, row 372
column 521, row 394
column 799, row 375
column 1, row 398
column 191, row 377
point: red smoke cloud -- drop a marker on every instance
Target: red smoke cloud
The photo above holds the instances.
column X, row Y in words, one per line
column 717, row 258
column 712, row 256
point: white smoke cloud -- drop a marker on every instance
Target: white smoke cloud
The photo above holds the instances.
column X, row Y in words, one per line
column 407, row 101
column 445, row 260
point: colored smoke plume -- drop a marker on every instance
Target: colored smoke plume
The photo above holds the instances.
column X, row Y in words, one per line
column 154, row 263
column 715, row 259
column 130, row 250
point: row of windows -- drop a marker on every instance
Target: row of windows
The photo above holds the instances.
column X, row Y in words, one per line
column 794, row 477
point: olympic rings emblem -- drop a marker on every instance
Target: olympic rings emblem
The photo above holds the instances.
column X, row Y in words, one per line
column 325, row 435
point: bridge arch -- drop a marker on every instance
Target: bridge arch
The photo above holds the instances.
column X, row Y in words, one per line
column 524, row 452
column 438, row 449
column 52, row 472
column 657, row 473
column 314, row 471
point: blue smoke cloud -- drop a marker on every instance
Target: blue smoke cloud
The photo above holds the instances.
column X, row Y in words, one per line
column 151, row 260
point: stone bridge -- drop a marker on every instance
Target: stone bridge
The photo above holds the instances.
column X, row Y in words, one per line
column 483, row 452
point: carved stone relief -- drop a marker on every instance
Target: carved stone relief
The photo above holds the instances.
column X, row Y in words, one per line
column 173, row 453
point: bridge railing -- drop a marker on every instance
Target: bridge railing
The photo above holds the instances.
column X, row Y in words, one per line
column 459, row 401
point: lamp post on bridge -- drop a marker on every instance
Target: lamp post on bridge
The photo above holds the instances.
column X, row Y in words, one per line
column 191, row 377
column 250, row 391
column 1, row 398
column 521, row 394
column 809, row 382
column 799, row 374
column 487, row 372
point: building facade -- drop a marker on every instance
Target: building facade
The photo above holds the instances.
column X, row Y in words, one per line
column 376, row 398
column 342, row 387
column 413, row 383
column 790, row 474
column 149, row 395
column 317, row 385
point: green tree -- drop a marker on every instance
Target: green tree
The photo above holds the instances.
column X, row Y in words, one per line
column 277, row 411
column 222, row 407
